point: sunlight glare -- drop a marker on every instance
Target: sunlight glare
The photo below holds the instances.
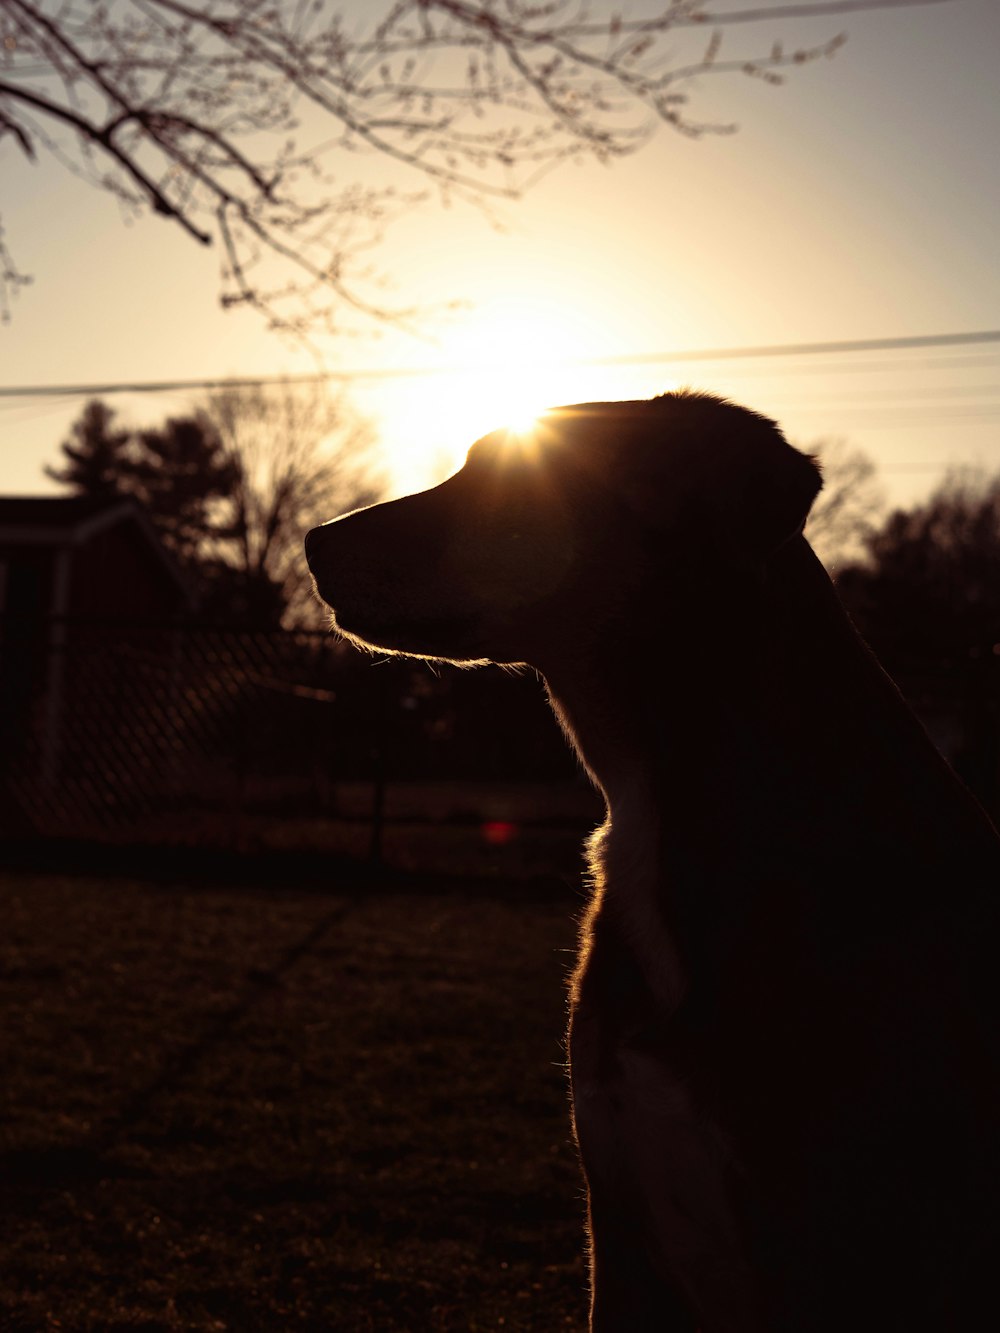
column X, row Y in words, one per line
column 500, row 367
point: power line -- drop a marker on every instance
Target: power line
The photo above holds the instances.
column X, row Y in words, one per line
column 806, row 349
column 874, row 417
column 904, row 365
column 417, row 372
column 908, row 397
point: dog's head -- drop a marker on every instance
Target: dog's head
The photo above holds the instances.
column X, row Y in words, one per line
column 578, row 523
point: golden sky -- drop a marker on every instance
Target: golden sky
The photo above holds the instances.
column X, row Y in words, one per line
column 862, row 200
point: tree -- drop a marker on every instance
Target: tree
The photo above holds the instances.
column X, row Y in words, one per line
column 174, row 105
column 95, row 453
column 843, row 517
column 928, row 591
column 179, row 473
column 233, row 488
column 927, row 598
column 300, row 457
column 185, row 477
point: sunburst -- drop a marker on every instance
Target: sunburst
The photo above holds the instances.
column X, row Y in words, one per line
column 501, row 367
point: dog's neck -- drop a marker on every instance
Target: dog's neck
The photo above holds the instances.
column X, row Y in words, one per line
column 762, row 696
column 734, row 756
column 648, row 705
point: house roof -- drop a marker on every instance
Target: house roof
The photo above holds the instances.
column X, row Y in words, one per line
column 61, row 520
column 61, row 514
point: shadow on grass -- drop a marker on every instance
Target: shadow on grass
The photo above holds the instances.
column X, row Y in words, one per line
column 253, row 1107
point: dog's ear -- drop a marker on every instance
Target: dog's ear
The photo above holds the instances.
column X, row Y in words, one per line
column 773, row 502
column 769, row 486
column 705, row 466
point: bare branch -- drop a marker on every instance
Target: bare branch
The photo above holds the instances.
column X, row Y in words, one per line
column 230, row 118
column 848, row 506
column 10, row 126
column 102, row 136
column 298, row 455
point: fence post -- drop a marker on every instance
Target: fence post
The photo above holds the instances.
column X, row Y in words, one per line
column 379, row 764
column 55, row 667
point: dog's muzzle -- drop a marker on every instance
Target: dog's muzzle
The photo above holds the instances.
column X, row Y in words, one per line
column 314, row 543
column 318, row 557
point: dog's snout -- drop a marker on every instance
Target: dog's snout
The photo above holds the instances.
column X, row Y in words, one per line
column 314, row 540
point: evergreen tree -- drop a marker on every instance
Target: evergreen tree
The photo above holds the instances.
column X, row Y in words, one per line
column 233, row 489
column 96, row 453
column 183, row 475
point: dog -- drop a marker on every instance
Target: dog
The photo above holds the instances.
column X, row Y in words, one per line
column 782, row 1041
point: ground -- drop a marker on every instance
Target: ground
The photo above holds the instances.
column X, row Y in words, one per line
column 273, row 1108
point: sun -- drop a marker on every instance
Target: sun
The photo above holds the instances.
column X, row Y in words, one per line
column 499, row 367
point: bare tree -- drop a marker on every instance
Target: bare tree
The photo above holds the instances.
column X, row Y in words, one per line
column 299, row 456
column 928, row 587
column 264, row 125
column 849, row 505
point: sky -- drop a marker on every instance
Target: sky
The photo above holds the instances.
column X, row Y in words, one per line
column 859, row 201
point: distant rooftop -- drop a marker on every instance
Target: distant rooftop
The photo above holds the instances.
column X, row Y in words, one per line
column 58, row 521
column 65, row 512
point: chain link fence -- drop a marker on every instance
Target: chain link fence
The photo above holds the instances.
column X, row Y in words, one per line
column 106, row 725
column 200, row 735
column 173, row 733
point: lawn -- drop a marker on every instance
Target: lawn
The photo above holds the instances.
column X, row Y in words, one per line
column 273, row 1108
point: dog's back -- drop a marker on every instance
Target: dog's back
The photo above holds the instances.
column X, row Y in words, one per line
column 783, row 1039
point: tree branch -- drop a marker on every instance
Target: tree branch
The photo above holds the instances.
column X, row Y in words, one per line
column 185, row 96
column 20, row 134
column 96, row 134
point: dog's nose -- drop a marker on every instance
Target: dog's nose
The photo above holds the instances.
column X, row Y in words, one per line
column 314, row 539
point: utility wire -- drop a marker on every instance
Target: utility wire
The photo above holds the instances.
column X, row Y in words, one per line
column 804, row 349
column 417, row 372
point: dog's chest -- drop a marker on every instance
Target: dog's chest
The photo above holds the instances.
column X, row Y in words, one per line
column 625, row 856
column 646, row 1132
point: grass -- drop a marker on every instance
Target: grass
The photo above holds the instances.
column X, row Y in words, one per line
column 270, row 1109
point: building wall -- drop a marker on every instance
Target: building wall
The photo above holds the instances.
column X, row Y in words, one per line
column 116, row 575
column 26, row 580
